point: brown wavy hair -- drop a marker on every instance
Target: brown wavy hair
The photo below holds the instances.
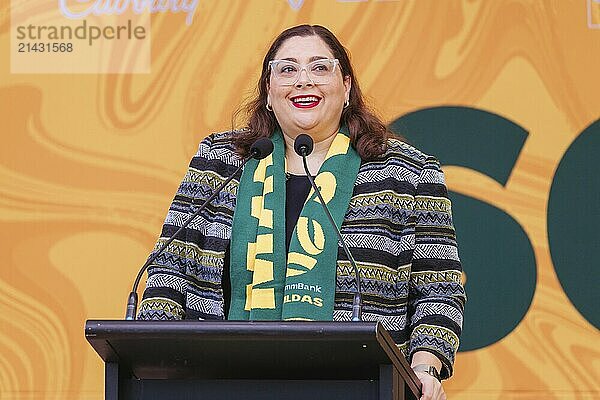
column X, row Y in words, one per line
column 368, row 134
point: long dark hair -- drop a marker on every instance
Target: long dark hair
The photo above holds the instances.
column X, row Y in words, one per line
column 368, row 134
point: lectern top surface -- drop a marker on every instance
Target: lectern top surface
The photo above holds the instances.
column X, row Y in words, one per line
column 241, row 350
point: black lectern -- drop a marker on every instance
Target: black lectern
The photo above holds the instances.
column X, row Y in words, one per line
column 250, row 360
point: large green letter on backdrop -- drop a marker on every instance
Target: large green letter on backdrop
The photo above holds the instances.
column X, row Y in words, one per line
column 497, row 256
column 574, row 223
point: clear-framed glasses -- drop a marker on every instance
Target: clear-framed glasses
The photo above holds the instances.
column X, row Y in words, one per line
column 287, row 73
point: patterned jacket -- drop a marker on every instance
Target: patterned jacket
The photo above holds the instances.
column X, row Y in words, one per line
column 398, row 226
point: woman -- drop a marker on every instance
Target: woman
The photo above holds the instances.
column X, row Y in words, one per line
column 388, row 197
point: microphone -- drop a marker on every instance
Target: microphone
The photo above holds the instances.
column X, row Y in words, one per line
column 260, row 149
column 303, row 145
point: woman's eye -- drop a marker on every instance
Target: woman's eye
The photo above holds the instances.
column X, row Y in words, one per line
column 320, row 68
column 287, row 69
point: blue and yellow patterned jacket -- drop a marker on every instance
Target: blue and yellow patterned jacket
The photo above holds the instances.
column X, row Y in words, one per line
column 398, row 226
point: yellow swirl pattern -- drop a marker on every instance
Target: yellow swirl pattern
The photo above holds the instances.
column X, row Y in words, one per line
column 89, row 164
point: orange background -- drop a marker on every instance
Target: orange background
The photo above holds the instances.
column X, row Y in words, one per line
column 89, row 164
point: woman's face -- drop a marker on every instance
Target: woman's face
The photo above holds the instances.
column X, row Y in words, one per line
column 305, row 107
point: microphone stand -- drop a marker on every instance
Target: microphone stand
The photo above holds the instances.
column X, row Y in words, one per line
column 357, row 300
column 258, row 151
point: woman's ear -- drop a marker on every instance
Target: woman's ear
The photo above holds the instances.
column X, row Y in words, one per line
column 347, row 85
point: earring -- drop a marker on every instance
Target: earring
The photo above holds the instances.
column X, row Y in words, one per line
column 347, row 103
column 269, row 108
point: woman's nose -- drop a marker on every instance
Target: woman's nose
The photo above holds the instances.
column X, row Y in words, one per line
column 303, row 79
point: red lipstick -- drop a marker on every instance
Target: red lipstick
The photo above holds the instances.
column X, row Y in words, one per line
column 305, row 101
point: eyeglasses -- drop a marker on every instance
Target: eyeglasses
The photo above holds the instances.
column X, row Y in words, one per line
column 287, row 73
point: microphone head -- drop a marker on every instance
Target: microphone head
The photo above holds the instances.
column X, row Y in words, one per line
column 261, row 148
column 303, row 145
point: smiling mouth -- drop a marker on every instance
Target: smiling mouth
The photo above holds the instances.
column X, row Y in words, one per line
column 305, row 101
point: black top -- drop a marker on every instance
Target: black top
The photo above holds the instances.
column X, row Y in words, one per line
column 297, row 188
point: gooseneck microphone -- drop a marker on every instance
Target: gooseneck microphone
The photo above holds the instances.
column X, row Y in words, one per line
column 259, row 150
column 303, row 145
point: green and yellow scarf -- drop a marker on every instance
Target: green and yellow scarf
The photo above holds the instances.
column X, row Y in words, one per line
column 267, row 283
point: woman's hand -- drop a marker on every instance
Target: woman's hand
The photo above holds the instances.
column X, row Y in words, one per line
column 431, row 388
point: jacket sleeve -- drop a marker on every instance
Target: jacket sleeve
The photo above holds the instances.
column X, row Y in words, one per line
column 437, row 297
column 168, row 278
